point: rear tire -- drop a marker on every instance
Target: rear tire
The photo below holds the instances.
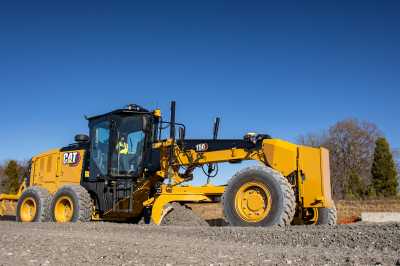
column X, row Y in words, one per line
column 71, row 203
column 33, row 205
column 327, row 216
column 316, row 216
column 259, row 196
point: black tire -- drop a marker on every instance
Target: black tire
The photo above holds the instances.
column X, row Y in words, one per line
column 327, row 216
column 81, row 202
column 41, row 198
column 282, row 195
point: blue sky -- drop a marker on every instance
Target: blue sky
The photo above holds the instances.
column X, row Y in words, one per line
column 284, row 68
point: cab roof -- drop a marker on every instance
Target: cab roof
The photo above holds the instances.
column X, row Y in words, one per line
column 129, row 109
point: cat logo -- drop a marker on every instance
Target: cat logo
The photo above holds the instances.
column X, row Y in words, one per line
column 72, row 158
column 201, row 147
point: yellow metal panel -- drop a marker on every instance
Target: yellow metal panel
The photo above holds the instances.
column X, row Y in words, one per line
column 281, row 155
column 314, row 180
column 8, row 206
column 43, row 170
column 53, row 169
column 38, row 170
column 192, row 190
column 51, row 166
column 8, row 202
column 326, row 178
column 71, row 163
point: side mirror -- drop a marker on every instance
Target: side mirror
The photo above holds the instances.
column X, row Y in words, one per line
column 81, row 138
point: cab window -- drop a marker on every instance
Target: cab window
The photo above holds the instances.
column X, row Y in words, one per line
column 100, row 147
column 128, row 153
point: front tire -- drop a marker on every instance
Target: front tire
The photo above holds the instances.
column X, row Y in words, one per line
column 33, row 205
column 71, row 203
column 259, row 196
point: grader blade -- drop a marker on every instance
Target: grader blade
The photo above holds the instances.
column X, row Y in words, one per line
column 8, row 204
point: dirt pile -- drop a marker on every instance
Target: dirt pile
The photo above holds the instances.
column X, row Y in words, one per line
column 127, row 244
column 181, row 215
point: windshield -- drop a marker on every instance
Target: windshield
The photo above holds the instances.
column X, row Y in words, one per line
column 128, row 151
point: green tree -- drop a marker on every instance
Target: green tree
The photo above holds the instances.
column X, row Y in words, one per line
column 384, row 173
column 2, row 179
column 355, row 187
column 12, row 172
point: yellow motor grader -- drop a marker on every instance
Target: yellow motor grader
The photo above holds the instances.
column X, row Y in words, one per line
column 126, row 170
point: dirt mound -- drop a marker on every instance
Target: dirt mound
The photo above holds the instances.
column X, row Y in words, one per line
column 181, row 215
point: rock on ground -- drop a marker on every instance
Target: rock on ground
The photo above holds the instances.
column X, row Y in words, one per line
column 126, row 244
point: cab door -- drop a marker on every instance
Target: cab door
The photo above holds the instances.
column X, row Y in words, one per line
column 100, row 150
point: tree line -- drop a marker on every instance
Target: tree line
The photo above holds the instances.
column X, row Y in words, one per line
column 362, row 163
column 11, row 174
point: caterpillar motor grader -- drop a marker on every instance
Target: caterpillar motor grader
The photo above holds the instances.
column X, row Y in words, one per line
column 125, row 170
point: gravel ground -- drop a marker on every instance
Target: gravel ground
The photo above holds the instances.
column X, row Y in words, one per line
column 126, row 244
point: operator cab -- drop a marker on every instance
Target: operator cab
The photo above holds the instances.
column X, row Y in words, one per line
column 120, row 143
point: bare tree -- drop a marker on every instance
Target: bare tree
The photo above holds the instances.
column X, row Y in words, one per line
column 2, row 178
column 351, row 145
column 312, row 139
column 396, row 155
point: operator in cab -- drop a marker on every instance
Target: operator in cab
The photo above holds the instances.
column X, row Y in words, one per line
column 122, row 146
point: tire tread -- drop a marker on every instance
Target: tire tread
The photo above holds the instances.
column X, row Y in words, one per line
column 85, row 203
column 327, row 216
column 45, row 200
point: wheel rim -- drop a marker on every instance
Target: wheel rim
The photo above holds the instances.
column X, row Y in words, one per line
column 63, row 210
column 253, row 202
column 28, row 210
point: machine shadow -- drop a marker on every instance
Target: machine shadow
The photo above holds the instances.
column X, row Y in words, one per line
column 7, row 218
column 217, row 222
